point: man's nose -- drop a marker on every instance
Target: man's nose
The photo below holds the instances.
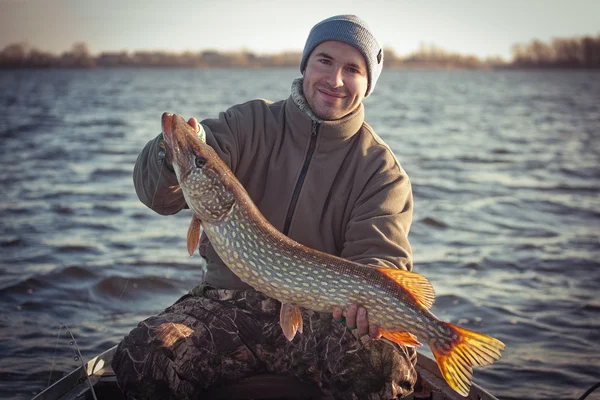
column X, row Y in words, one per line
column 335, row 78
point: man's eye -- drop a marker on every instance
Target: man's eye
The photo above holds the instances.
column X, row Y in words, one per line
column 325, row 61
column 200, row 162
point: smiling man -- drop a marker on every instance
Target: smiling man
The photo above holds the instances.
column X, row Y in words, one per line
column 335, row 80
column 318, row 173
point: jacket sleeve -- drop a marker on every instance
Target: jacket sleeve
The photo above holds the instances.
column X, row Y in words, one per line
column 223, row 134
column 156, row 184
column 377, row 233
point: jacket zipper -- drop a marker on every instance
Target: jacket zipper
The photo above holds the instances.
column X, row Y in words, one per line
column 300, row 182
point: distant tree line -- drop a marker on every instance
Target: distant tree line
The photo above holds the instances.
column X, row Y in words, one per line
column 583, row 52
column 19, row 55
column 432, row 56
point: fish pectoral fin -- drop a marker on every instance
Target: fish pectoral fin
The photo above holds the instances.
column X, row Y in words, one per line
column 290, row 319
column 193, row 235
column 403, row 338
column 415, row 284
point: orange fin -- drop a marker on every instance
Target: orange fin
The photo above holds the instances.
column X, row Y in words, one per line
column 403, row 338
column 193, row 235
column 290, row 319
column 457, row 354
column 415, row 284
column 175, row 188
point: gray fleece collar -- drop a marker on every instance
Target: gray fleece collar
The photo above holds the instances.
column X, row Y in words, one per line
column 300, row 100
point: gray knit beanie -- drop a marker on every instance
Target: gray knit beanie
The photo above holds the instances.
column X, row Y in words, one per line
column 351, row 30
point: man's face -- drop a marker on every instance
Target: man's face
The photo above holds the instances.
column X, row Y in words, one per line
column 335, row 80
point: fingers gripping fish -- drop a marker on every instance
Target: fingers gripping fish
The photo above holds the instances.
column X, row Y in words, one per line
column 398, row 301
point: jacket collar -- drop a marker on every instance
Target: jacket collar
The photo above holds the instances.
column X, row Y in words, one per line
column 303, row 117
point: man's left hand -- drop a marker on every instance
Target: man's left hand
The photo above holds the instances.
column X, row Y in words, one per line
column 357, row 321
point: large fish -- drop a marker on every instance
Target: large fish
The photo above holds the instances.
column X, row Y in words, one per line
column 397, row 300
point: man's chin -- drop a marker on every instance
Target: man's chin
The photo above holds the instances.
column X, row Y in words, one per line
column 327, row 112
column 327, row 116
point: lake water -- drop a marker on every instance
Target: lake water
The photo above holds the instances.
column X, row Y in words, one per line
column 505, row 168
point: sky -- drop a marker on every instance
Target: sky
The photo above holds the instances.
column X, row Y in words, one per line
column 479, row 27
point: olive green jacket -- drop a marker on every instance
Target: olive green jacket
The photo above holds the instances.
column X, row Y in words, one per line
column 334, row 186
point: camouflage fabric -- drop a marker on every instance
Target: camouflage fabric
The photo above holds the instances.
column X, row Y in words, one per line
column 211, row 337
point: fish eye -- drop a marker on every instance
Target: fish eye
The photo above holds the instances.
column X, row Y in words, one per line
column 200, row 162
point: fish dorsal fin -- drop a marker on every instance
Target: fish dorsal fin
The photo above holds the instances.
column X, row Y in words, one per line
column 416, row 284
column 193, row 235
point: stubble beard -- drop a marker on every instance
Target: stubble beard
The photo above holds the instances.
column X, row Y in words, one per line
column 329, row 114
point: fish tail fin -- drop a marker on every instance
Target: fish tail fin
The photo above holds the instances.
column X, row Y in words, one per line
column 457, row 353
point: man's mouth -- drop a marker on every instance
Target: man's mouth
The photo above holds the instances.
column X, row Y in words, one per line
column 331, row 95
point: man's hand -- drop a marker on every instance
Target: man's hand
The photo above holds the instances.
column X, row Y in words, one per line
column 357, row 321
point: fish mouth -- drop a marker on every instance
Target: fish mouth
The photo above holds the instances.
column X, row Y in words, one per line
column 175, row 143
column 167, row 123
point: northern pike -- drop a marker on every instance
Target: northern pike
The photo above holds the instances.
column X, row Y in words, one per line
column 398, row 301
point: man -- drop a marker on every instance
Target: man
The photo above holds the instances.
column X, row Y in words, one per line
column 319, row 174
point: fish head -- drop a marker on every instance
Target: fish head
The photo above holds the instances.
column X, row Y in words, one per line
column 202, row 175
